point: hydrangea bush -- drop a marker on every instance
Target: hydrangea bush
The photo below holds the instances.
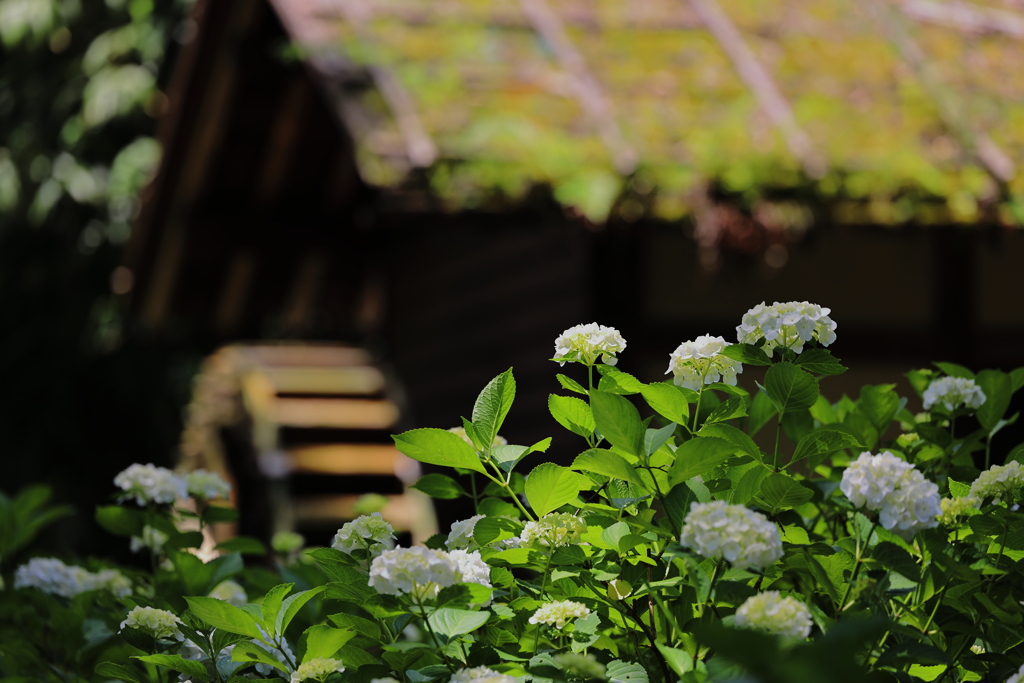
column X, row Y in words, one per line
column 703, row 533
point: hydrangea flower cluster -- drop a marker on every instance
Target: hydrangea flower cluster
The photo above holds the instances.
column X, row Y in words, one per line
column 1017, row 677
column 769, row 611
column 743, row 537
column 460, row 432
column 553, row 530
column 696, row 363
column 369, row 532
column 158, row 623
column 905, row 500
column 423, row 572
column 953, row 508
column 206, row 485
column 788, row 325
column 584, row 343
column 998, row 480
column 50, row 575
column 480, row 674
column 558, row 613
column 317, row 669
column 151, row 484
column 230, row 592
column 953, row 392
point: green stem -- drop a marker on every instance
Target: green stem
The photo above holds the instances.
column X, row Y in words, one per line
column 540, row 596
column 696, row 411
column 500, row 481
column 856, row 565
column 710, row 602
column 433, row 636
column 778, row 438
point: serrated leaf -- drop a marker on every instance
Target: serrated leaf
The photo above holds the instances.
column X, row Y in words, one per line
column 780, row 491
column 272, row 605
column 120, row 672
column 292, row 604
column 438, row 447
column 823, row 441
column 455, row 622
column 727, row 410
column 572, row 413
column 223, row 615
column 954, row 370
column 761, row 411
column 733, row 435
column 490, row 529
column 618, row 421
column 698, row 456
column 363, row 627
column 177, row 663
column 998, row 389
column 492, row 405
column 749, row 485
column 618, row 671
column 325, row 641
column 571, row 384
column 820, row 361
column 746, row 353
column 958, row 490
column 790, row 388
column 895, row 558
column 607, row 463
column 615, row 381
column 879, row 403
column 667, row 401
column 440, row 486
column 251, row 652
column 550, row 486
column 654, row 439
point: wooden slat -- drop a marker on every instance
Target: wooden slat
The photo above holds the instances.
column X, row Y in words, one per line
column 311, row 356
column 410, row 511
column 344, row 459
column 339, row 413
column 354, row 380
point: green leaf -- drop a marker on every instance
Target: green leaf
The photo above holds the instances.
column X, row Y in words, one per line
column 747, row 354
column 618, row 421
column 292, row 604
column 820, row 361
column 761, row 411
column 790, row 388
column 177, row 663
column 272, row 606
column 215, row 514
column 615, row 381
column 823, row 441
column 699, row 456
column 879, row 403
column 120, row 672
column 246, row 545
column 325, row 641
column 998, row 388
column 677, row 504
column 440, row 486
column 678, row 660
column 220, row 614
column 727, row 410
column 455, row 622
column 954, row 370
column 667, row 401
column 780, row 491
column 507, row 457
column 362, row 626
column 607, row 463
column 748, row 485
column 572, row 413
column 654, row 439
column 1017, row 378
column 492, row 405
column 490, row 529
column 896, row 559
column 571, row 384
column 251, row 652
column 618, row 671
column 120, row 521
column 438, row 447
column 736, row 436
column 550, row 486
column 958, row 490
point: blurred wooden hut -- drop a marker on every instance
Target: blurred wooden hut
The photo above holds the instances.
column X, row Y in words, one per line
column 452, row 183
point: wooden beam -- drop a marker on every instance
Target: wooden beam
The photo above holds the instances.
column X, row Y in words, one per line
column 988, row 154
column 965, row 16
column 760, row 82
column 588, row 90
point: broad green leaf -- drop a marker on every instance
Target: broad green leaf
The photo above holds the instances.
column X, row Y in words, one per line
column 245, row 545
column 879, row 403
column 667, row 401
column 492, row 405
column 272, row 605
column 400, row 661
column 727, row 410
column 822, row 575
column 820, row 362
column 325, row 641
column 895, row 558
column 927, row 673
column 440, row 486
column 677, row 504
column 490, row 529
column 571, row 384
column 998, row 388
column 356, row 657
column 572, row 413
column 364, row 627
column 1017, row 378
column 824, row 441
column 219, row 513
column 679, row 661
column 748, row 486
column 507, row 457
column 654, row 439
column 607, row 463
column 746, row 353
column 699, row 456
column 120, row 672
column 455, row 622
column 780, row 491
column 790, row 388
column 220, row 614
column 550, row 486
column 618, row 671
column 438, row 447
column 954, row 370
column 761, row 411
column 615, row 381
column 463, row 595
column 120, row 521
column 733, row 435
column 291, row 606
column 824, row 412
column 251, row 652
column 618, row 421
column 958, row 490
column 177, row 663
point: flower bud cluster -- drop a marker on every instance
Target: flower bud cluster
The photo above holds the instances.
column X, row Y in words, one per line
column 905, row 500
column 743, row 537
column 696, row 363
column 787, row 325
column 480, row 674
column 953, row 392
column 369, row 532
column 998, row 481
column 423, row 572
column 317, row 669
column 558, row 613
column 158, row 623
column 769, row 611
column 52, row 576
column 953, row 508
column 584, row 343
column 553, row 530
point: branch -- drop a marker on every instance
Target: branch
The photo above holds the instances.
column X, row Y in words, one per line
column 966, row 17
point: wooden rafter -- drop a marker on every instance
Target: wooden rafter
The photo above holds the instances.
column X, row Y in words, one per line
column 588, row 90
column 965, row 16
column 991, row 157
column 760, row 82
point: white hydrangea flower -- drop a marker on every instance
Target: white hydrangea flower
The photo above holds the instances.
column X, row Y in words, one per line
column 151, row 538
column 151, row 484
column 471, row 567
column 50, row 575
column 206, row 485
column 461, row 535
column 699, row 362
column 317, row 669
column 584, row 343
column 1017, row 677
column 369, row 532
column 553, row 530
column 558, row 613
column 480, row 674
column 110, row 580
column 769, row 611
column 998, row 480
column 787, row 325
column 421, row 572
column 953, row 508
column 905, row 500
column 460, row 432
column 230, row 592
column 953, row 392
column 579, row 665
column 158, row 623
column 743, row 537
